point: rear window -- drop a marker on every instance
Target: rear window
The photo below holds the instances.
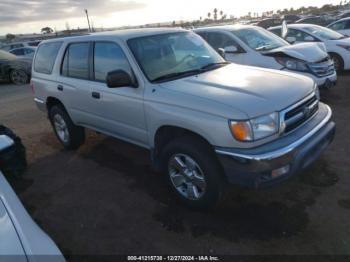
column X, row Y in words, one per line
column 46, row 57
column 76, row 61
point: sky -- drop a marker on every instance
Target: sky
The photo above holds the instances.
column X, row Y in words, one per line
column 29, row 16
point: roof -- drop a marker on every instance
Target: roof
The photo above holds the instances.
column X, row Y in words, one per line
column 340, row 20
column 225, row 27
column 294, row 26
column 119, row 34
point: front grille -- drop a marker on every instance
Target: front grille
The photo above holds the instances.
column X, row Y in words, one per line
column 322, row 68
column 298, row 115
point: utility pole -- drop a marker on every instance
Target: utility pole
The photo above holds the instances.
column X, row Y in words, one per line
column 87, row 17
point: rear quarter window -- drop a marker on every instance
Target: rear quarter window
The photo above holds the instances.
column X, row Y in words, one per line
column 46, row 56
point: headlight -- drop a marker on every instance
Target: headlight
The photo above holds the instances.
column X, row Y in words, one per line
column 292, row 64
column 347, row 47
column 256, row 128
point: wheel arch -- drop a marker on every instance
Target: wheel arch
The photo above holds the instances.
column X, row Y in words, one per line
column 166, row 133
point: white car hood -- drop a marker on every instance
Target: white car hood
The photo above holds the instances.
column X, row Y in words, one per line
column 308, row 52
column 345, row 41
column 252, row 90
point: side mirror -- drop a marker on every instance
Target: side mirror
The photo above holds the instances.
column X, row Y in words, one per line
column 231, row 49
column 222, row 52
column 291, row 39
column 119, row 78
column 309, row 39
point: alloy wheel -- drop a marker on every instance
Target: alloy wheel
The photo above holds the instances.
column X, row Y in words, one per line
column 187, row 176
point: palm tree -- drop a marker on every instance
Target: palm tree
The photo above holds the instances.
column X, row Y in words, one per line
column 215, row 14
column 209, row 15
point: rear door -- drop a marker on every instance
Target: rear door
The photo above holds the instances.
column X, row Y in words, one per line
column 74, row 83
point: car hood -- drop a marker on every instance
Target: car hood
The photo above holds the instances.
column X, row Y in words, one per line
column 344, row 41
column 308, row 52
column 252, row 90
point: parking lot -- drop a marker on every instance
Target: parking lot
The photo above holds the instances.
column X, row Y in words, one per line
column 105, row 198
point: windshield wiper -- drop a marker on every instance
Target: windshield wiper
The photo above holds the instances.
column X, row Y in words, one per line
column 177, row 75
column 214, row 65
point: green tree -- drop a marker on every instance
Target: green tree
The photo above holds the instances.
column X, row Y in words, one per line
column 10, row 37
column 215, row 14
column 46, row 30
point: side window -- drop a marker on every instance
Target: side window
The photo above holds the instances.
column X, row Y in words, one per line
column 300, row 36
column 76, row 61
column 338, row 26
column 46, row 56
column 276, row 31
column 109, row 57
column 28, row 51
column 347, row 26
column 18, row 52
column 220, row 40
column 203, row 35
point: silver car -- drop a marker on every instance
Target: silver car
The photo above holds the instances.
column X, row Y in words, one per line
column 206, row 122
column 20, row 238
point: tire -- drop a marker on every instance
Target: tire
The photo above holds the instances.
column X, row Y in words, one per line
column 13, row 160
column 19, row 77
column 70, row 135
column 206, row 167
column 338, row 62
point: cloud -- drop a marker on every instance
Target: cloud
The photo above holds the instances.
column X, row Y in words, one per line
column 24, row 11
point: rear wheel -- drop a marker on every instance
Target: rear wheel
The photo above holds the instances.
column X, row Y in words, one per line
column 70, row 135
column 338, row 62
column 19, row 77
column 193, row 172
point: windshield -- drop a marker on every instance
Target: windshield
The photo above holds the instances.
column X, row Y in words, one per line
column 6, row 55
column 259, row 39
column 323, row 32
column 173, row 54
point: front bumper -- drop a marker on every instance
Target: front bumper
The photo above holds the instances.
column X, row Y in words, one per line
column 276, row 161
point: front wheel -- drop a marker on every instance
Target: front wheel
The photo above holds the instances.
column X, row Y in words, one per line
column 193, row 172
column 19, row 77
column 338, row 62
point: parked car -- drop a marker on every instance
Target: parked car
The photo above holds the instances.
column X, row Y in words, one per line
column 23, row 51
column 342, row 26
column 255, row 46
column 268, row 22
column 15, row 69
column 22, row 239
column 11, row 46
column 315, row 20
column 344, row 15
column 337, row 45
column 205, row 121
column 291, row 18
column 12, row 153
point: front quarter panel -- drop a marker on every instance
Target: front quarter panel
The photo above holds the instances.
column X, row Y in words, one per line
column 205, row 118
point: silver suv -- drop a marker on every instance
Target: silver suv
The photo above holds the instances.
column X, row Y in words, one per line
column 205, row 121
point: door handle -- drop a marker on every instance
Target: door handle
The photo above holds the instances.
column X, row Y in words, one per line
column 60, row 88
column 96, row 95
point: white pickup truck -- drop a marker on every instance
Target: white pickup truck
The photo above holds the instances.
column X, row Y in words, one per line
column 205, row 121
